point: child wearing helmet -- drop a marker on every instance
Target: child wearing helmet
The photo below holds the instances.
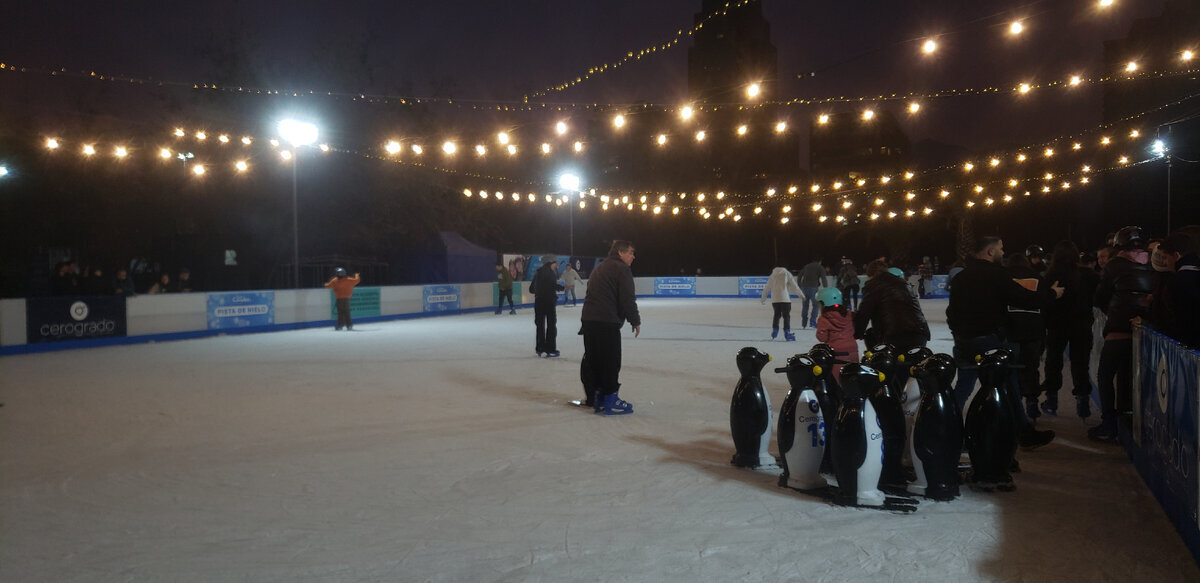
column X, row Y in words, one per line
column 835, row 327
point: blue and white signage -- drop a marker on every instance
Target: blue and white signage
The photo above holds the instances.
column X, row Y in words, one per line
column 241, row 309
column 751, row 286
column 936, row 288
column 675, row 286
column 441, row 298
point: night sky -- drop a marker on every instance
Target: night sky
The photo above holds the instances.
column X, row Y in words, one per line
column 483, row 53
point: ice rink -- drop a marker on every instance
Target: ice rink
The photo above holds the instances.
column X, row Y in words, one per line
column 443, row 449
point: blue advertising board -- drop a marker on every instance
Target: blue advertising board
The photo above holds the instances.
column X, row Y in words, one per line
column 937, row 288
column 74, row 318
column 240, row 309
column 1166, row 414
column 441, row 298
column 675, row 286
column 751, row 286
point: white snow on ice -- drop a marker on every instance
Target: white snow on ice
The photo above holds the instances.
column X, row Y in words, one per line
column 442, row 449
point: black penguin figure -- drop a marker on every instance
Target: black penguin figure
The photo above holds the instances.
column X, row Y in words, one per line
column 750, row 411
column 828, row 395
column 937, row 430
column 858, row 445
column 801, row 428
column 909, row 393
column 991, row 432
column 882, row 358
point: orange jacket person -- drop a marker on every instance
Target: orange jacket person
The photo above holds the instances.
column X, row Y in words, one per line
column 343, row 288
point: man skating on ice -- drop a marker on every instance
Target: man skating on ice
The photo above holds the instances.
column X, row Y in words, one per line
column 343, row 288
column 545, row 288
column 609, row 303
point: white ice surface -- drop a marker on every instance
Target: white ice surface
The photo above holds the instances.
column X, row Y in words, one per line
column 442, row 449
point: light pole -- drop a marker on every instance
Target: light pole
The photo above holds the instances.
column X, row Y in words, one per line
column 570, row 183
column 298, row 133
column 1161, row 150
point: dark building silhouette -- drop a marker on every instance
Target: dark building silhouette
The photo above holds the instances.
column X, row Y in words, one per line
column 730, row 52
column 846, row 144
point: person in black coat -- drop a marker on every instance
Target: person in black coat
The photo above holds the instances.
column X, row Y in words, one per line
column 545, row 288
column 1026, row 327
column 1069, row 327
column 894, row 315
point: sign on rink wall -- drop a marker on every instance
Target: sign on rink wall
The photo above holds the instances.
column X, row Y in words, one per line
column 74, row 318
column 675, row 286
column 1165, row 435
column 936, row 288
column 240, row 309
column 751, row 286
column 363, row 304
column 441, row 298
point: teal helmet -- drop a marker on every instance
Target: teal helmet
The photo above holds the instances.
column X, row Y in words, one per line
column 829, row 296
column 896, row 272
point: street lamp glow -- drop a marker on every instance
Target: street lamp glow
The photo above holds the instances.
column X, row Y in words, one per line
column 3, row 170
column 51, row 144
column 1159, row 148
column 686, row 112
column 297, row 132
column 480, row 150
column 578, row 147
column 89, row 150
column 823, row 118
column 502, row 137
column 392, row 147
column 286, row 154
column 1106, row 3
column 224, row 139
column 1016, row 28
column 929, row 47
column 246, row 141
column 201, row 136
column 512, row 150
column 1187, row 55
column 545, row 148
column 241, row 166
column 914, row 107
column 164, row 153
column 198, row 170
column 449, row 148
column 417, row 149
column 868, row 114
column 1075, row 80
column 700, row 135
column 1024, row 88
column 561, row 127
column 742, row 129
column 753, row 90
column 661, row 139
column 619, row 121
column 1131, row 66
column 120, row 152
column 780, row 127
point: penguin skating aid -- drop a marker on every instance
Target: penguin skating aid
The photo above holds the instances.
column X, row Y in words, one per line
column 750, row 412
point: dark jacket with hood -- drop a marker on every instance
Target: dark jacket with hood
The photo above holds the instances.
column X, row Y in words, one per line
column 980, row 297
column 894, row 314
column 1124, row 293
column 545, row 286
column 1025, row 324
column 610, row 295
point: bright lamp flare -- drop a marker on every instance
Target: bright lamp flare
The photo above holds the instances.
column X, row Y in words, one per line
column 286, row 154
column 449, row 147
column 417, row 149
column 561, row 127
column 686, row 112
column 1024, row 88
column 914, row 107
column 780, row 127
column 502, row 137
column 753, row 90
column 742, row 129
column 619, row 121
column 1075, row 80
column 480, row 150
column 662, row 139
column 1187, row 55
column 298, row 133
column 246, row 141
column 868, row 114
column 179, row 133
column 823, row 118
column 164, row 153
column 241, row 166
column 120, row 152
column 700, row 135
column 224, row 139
column 545, row 148
column 89, row 150
column 1016, row 27
column 52, row 144
column 1106, row 3
column 201, row 136
column 198, row 170
column 512, row 150
column 1131, row 66
column 929, row 47
column 392, row 147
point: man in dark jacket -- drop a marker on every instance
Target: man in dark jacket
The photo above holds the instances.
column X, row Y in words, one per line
column 610, row 302
column 1026, row 327
column 545, row 288
column 1123, row 294
column 895, row 314
column 977, row 311
column 812, row 278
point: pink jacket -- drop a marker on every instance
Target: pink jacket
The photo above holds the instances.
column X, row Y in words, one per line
column 837, row 330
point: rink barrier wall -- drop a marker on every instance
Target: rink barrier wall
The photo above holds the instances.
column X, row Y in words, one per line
column 1163, row 437
column 167, row 317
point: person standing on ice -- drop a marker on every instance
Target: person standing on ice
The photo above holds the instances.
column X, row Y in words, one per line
column 343, row 288
column 570, row 280
column 812, row 278
column 504, row 284
column 609, row 303
column 781, row 285
column 545, row 288
column 976, row 314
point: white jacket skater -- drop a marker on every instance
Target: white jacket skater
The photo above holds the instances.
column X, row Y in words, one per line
column 781, row 285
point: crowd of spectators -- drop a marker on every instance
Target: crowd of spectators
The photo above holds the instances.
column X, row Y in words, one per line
column 68, row 279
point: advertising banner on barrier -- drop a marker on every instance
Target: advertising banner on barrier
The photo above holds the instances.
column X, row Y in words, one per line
column 240, row 309
column 751, row 286
column 1166, row 417
column 441, row 298
column 74, row 318
column 675, row 286
column 936, row 288
column 364, row 303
